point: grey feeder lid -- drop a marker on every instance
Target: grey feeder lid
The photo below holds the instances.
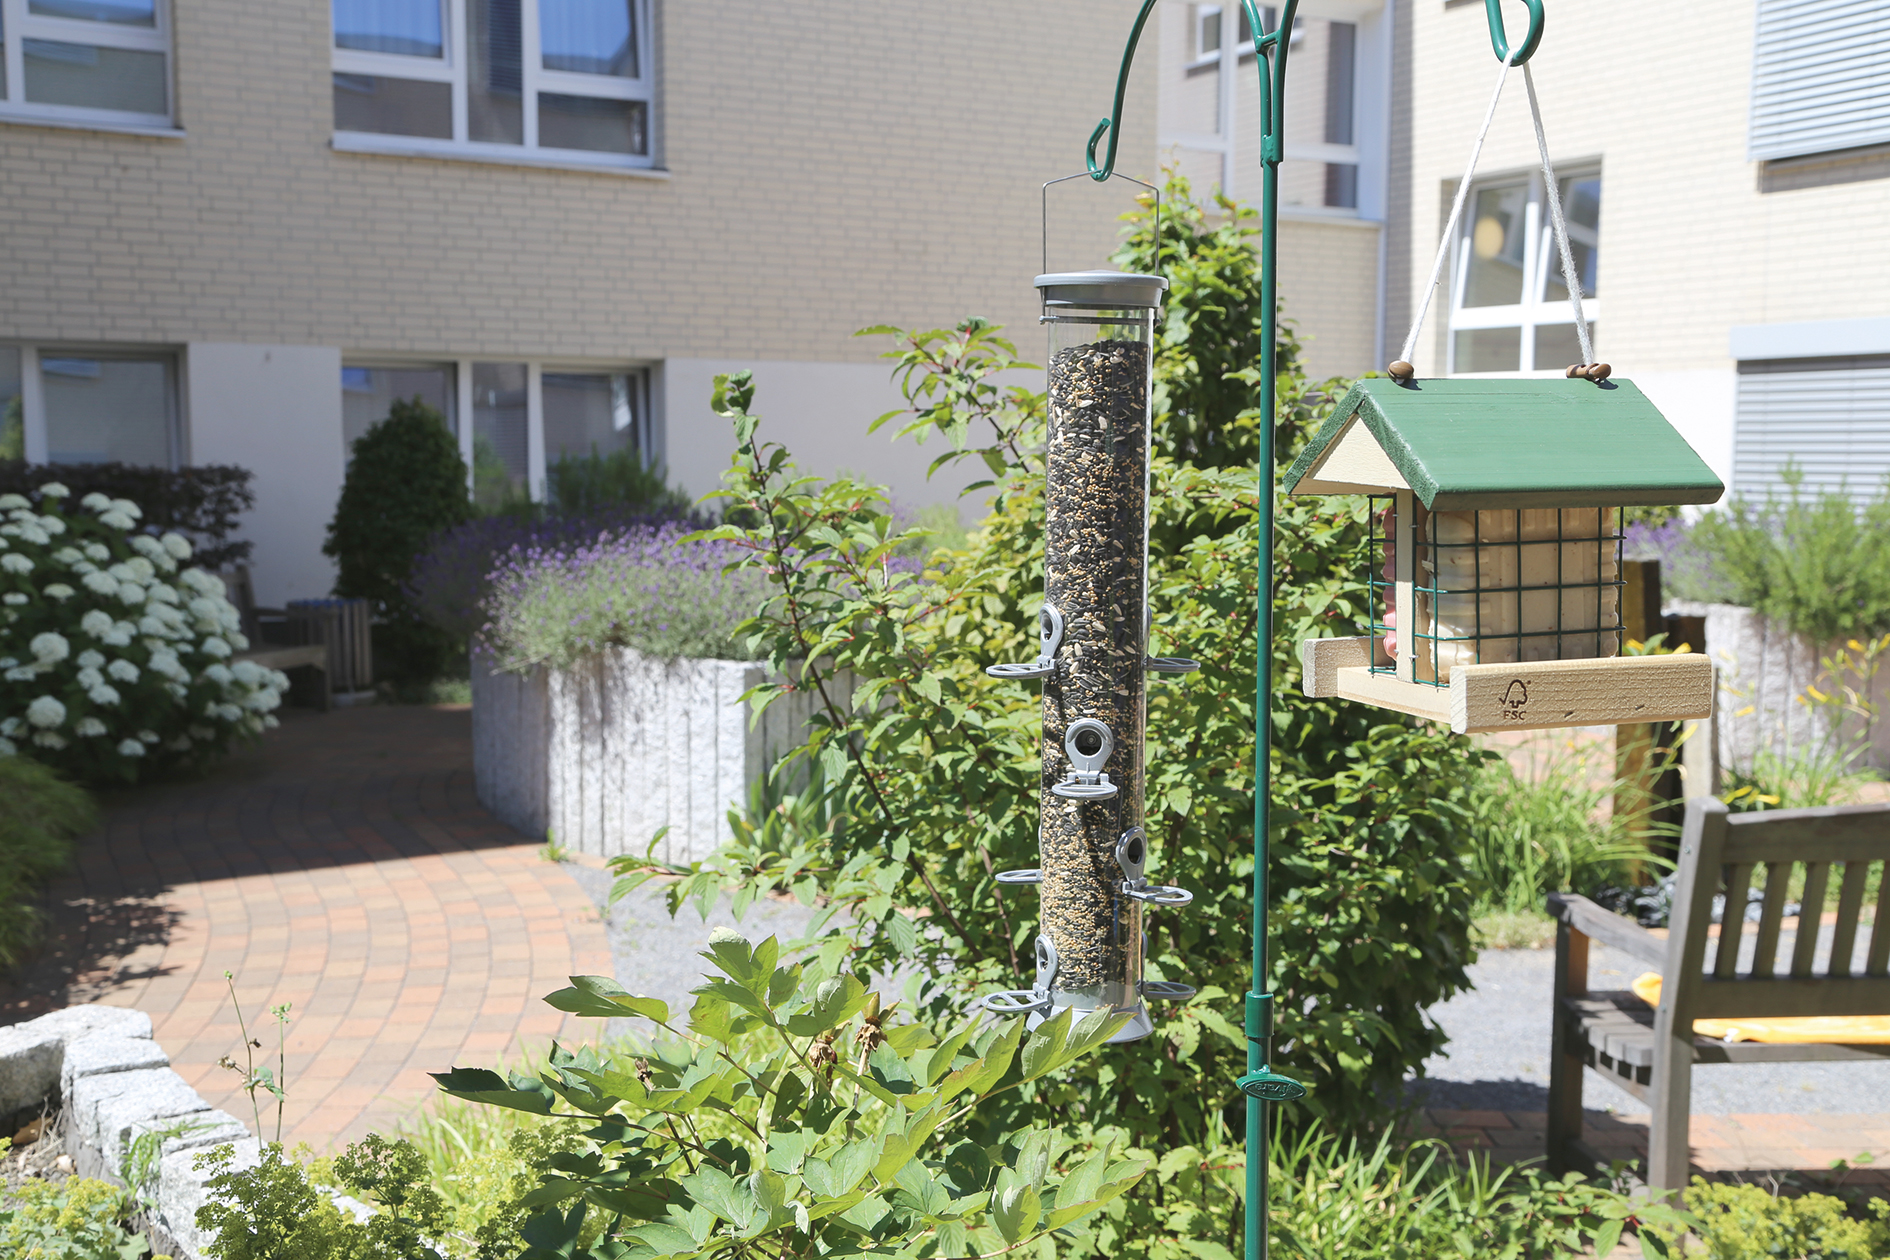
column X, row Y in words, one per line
column 1105, row 290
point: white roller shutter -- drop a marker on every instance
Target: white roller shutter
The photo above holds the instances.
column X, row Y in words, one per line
column 1831, row 417
column 1820, row 77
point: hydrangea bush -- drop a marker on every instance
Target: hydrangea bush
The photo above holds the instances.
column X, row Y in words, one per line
column 115, row 657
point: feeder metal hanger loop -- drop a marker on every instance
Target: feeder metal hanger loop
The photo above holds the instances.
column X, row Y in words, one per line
column 1050, row 630
column 1499, row 36
column 1087, row 780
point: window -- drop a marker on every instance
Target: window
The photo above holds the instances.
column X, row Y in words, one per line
column 1828, row 417
column 595, row 413
column 12, row 406
column 88, row 406
column 1207, row 29
column 97, row 61
column 565, row 80
column 369, row 393
column 1819, row 75
column 501, row 432
column 1509, row 309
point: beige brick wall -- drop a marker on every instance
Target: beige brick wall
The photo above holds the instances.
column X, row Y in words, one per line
column 832, row 165
column 1690, row 246
column 1329, row 291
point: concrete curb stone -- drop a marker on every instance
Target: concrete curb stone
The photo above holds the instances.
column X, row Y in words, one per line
column 102, row 1053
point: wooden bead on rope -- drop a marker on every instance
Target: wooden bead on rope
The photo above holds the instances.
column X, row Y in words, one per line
column 1596, row 372
column 1401, row 372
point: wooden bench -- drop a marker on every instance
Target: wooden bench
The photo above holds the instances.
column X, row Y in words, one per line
column 1650, row 1051
column 310, row 655
column 314, row 656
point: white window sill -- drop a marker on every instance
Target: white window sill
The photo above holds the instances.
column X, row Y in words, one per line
column 447, row 151
column 1339, row 216
column 27, row 117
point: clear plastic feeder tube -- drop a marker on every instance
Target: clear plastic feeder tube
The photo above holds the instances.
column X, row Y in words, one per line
column 1101, row 332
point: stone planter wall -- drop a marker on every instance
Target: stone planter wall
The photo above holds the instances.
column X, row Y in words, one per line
column 1763, row 669
column 601, row 756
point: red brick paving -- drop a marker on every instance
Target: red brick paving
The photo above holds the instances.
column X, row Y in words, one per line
column 344, row 867
column 1721, row 1144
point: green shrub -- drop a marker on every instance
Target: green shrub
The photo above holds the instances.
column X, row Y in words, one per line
column 275, row 1210
column 1544, row 832
column 1820, row 564
column 114, row 652
column 578, row 485
column 1747, row 1223
column 205, row 504
column 74, row 1219
column 40, row 813
column 406, row 482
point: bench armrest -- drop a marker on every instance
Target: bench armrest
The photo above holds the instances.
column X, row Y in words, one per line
column 1610, row 929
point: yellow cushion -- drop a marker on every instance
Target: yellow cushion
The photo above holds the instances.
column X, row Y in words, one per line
column 1819, row 1029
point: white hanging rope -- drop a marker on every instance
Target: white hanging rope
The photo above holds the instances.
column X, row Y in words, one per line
column 1559, row 224
column 1569, row 279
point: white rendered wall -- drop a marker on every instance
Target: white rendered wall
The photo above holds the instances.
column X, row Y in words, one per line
column 821, row 412
column 275, row 410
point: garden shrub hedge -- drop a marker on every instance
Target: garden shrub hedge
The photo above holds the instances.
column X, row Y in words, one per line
column 205, row 504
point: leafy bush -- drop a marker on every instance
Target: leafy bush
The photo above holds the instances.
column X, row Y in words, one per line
column 1544, row 832
column 40, row 813
column 274, row 1210
column 74, row 1219
column 1820, row 564
column 578, row 485
column 792, row 1115
column 406, row 482
column 452, row 576
column 657, row 589
column 204, row 504
column 1747, row 1223
column 115, row 653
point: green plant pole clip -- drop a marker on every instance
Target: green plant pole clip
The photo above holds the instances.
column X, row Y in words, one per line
column 1112, row 125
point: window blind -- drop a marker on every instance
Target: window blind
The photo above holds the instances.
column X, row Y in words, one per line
column 1820, row 77
column 1830, row 417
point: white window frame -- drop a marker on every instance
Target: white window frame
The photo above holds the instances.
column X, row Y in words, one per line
column 33, row 397
column 1541, row 258
column 451, row 67
column 19, row 25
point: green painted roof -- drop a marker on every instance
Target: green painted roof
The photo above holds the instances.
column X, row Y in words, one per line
column 1464, row 444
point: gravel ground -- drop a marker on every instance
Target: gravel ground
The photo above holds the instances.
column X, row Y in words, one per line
column 1499, row 1053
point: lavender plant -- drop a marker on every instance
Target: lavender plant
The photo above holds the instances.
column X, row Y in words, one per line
column 658, row 589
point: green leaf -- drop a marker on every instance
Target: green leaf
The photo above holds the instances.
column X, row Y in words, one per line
column 1042, row 1051
column 1016, row 1208
column 903, row 934
column 980, row 1078
column 834, row 1002
column 715, row 1190
column 1607, row 1236
column 601, row 997
column 732, row 954
column 482, row 1086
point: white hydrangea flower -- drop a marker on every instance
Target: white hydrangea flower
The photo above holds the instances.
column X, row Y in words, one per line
column 145, row 545
column 21, row 673
column 237, row 638
column 89, row 677
column 59, row 591
column 52, row 525
column 178, row 690
column 9, row 531
column 147, row 737
column 90, row 728
column 117, row 520
column 45, row 711
column 219, row 674
column 95, row 502
column 119, row 635
column 15, row 503
column 96, row 623
column 123, row 670
column 152, row 627
column 202, row 732
column 262, row 700
column 130, row 748
column 249, row 673
column 162, row 592
column 91, row 658
column 15, row 598
column 8, row 748
column 127, row 507
column 177, row 545
column 34, row 534
column 50, row 647
column 68, row 555
column 278, row 680
column 180, row 743
column 271, row 722
column 104, row 694
column 202, row 583
column 229, row 712
column 130, row 593
column 10, row 726
column 203, row 608
column 46, row 739
column 14, row 562
column 213, row 646
column 100, row 583
column 139, row 569
column 53, row 490
column 98, row 551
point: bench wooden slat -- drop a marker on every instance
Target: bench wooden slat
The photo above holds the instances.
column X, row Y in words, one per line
column 1778, row 878
column 1732, row 920
column 1621, row 1026
column 1810, row 918
column 1764, row 997
column 1836, row 833
column 1610, row 929
column 1877, row 963
column 1850, row 904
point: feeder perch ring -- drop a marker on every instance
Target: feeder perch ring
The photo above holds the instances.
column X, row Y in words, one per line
column 1030, row 876
column 1158, row 894
column 1075, row 790
column 1167, row 991
column 1014, row 1002
column 1170, row 665
column 1050, row 631
column 1022, row 669
column 1088, row 763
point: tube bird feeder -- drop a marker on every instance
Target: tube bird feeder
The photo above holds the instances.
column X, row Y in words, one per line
column 1493, row 568
column 1093, row 657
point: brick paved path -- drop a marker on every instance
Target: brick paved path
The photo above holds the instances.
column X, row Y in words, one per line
column 343, row 866
column 1803, row 1144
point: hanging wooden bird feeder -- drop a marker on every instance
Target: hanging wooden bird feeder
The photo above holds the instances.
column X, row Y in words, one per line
column 1494, row 556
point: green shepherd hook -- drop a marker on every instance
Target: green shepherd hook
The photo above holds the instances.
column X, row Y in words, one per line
column 1499, row 37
